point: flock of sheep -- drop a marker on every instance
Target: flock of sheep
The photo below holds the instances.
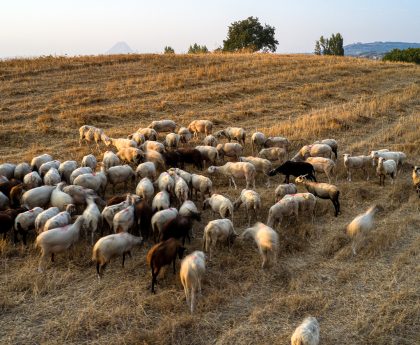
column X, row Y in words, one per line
column 47, row 194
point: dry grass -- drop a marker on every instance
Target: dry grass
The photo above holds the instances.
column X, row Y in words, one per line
column 372, row 298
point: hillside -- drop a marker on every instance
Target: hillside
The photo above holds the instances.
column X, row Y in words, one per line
column 375, row 49
column 372, row 298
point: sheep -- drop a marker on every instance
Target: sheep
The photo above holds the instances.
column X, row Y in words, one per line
column 92, row 218
column 130, row 155
column 163, row 126
column 126, row 219
column 150, row 145
column 4, row 201
column 261, row 165
column 94, row 181
column 137, row 137
column 145, row 189
column 161, row 201
column 179, row 227
column 91, row 133
column 273, row 154
column 185, row 135
column 189, row 209
column 166, row 182
column 59, row 198
column 43, row 217
column 280, row 142
column 322, row 191
column 331, row 143
column 16, row 193
column 200, row 126
column 21, row 170
column 236, row 170
column 57, row 240
column 146, row 169
column 45, row 167
column 283, row 189
column 109, row 212
column 162, row 254
column 144, row 216
column 306, row 203
column 397, row 157
column 190, row 156
column 7, row 170
column 357, row 162
column 66, row 168
column 284, row 208
column 156, row 158
column 7, row 220
column 209, row 154
column 257, row 141
column 267, row 241
column 231, row 150
column 37, row 161
column 121, row 143
column 315, row 150
column 38, row 196
column 149, row 133
column 386, row 167
column 181, row 189
column 52, row 177
column 361, row 225
column 323, row 165
column 120, row 174
column 186, row 176
column 110, row 159
column 79, row 193
column 32, row 179
column 416, row 178
column 307, row 333
column 6, row 187
column 193, row 268
column 201, row 184
column 218, row 231
column 295, row 169
column 172, row 159
column 25, row 221
column 113, row 246
column 251, row 200
column 172, row 140
column 232, row 133
column 79, row 171
column 61, row 219
column 210, row 140
column 159, row 219
column 219, row 203
column 89, row 161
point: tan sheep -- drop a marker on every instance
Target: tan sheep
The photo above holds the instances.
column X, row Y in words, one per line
column 236, row 170
column 201, row 126
column 323, row 165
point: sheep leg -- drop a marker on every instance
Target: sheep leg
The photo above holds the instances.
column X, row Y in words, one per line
column 52, row 257
column 233, row 181
column 123, row 260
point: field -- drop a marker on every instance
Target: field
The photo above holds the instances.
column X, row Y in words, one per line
column 371, row 298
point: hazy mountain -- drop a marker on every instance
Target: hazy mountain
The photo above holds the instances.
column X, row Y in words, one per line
column 120, row 48
column 375, row 49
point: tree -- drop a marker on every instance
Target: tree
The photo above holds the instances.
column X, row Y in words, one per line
column 197, row 49
column 249, row 34
column 168, row 50
column 405, row 55
column 330, row 46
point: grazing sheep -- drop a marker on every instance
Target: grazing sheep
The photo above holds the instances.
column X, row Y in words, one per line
column 284, row 208
column 7, row 220
column 91, row 133
column 110, row 159
column 109, row 212
column 283, row 189
column 231, row 150
column 145, row 189
column 163, row 254
column 163, row 126
column 45, row 167
column 273, row 154
column 236, row 170
column 6, row 187
column 200, row 126
column 149, row 133
column 32, row 179
column 172, row 141
column 188, row 208
column 66, row 169
column 261, row 165
column 397, row 157
column 331, row 143
column 37, row 161
column 323, row 165
column 144, row 216
column 190, row 156
column 179, row 227
column 416, row 178
column 120, row 174
column 52, row 177
column 166, row 182
column 210, row 140
column 150, row 145
column 202, row 184
column 357, row 162
column 16, row 194
column 130, row 155
column 193, row 268
column 280, row 142
column 257, row 141
column 146, row 169
column 306, row 203
column 232, row 133
column 126, row 219
column 307, row 333
column 138, row 138
column 322, row 191
column 315, row 150
column 59, row 198
column 161, row 201
column 159, row 220
column 7, row 170
column 361, row 225
column 25, row 221
column 21, row 170
column 94, row 181
column 38, row 196
column 79, row 171
column 185, row 135
column 121, row 143
column 181, row 173
column 295, row 169
column 89, row 161
column 218, row 231
column 156, row 158
column 43, row 217
column 111, row 247
column 219, row 204
column 267, row 241
column 181, row 189
column 172, row 159
column 386, row 167
column 61, row 219
column 209, row 154
column 92, row 218
column 251, row 200
column 57, row 240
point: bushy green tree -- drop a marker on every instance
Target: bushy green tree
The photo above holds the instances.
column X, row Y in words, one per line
column 404, row 55
column 168, row 50
column 197, row 49
column 249, row 34
column 330, row 46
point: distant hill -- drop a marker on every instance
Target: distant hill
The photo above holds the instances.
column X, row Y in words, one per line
column 375, row 50
column 120, row 48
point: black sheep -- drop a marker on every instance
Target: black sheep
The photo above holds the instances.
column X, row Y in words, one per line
column 295, row 169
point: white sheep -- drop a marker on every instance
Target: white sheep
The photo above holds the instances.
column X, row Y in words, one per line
column 202, row 184
column 79, row 171
column 181, row 173
column 91, row 133
column 163, row 126
column 236, row 170
column 331, row 143
column 231, row 150
column 209, row 154
column 277, row 142
column 200, row 126
column 120, row 174
column 94, row 181
column 283, row 189
column 61, row 219
column 138, row 138
column 25, row 221
column 219, row 204
column 124, row 220
column 315, row 150
column 257, row 141
column 218, row 231
column 358, row 228
column 32, row 179
column 37, row 161
column 323, row 165
column 120, row 143
column 42, row 218
column 92, row 218
column 161, row 201
column 357, row 162
column 130, row 155
column 166, row 182
column 384, row 168
column 181, row 189
column 59, row 198
column 306, row 203
column 307, row 333
column 66, row 169
column 150, row 145
column 156, row 158
column 232, row 133
column 193, row 268
column 113, row 246
column 172, row 140
column 146, row 169
column 286, row 207
column 149, row 133
column 185, row 135
column 109, row 212
column 110, row 159
column 21, row 170
column 57, row 240
column 188, row 208
column 261, row 165
column 397, row 156
column 7, row 170
column 251, row 200
column 145, row 189
column 89, row 161
column 210, row 140
column 38, row 196
column 160, row 218
column 52, row 177
column 45, row 167
column 273, row 154
column 267, row 242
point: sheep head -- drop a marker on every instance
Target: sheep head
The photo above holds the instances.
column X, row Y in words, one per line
column 301, row 179
column 212, row 169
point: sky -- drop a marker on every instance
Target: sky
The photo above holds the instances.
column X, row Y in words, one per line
column 79, row 27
